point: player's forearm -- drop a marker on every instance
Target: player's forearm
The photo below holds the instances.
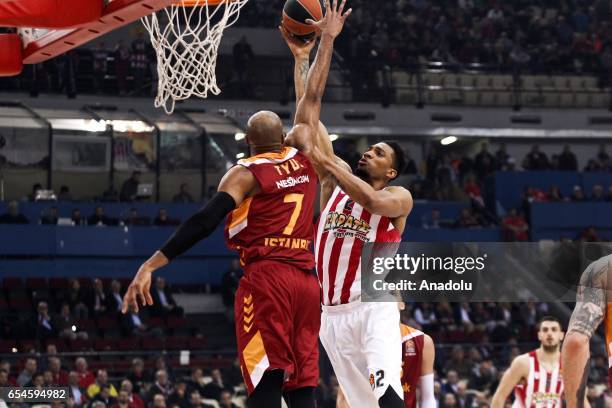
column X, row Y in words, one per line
column 360, row 191
column 158, row 260
column 575, row 361
column 317, row 76
column 300, row 77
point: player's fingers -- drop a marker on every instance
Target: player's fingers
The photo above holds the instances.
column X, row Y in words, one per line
column 124, row 306
column 312, row 22
column 141, row 298
column 327, row 7
column 348, row 13
column 334, row 6
column 341, row 8
column 148, row 297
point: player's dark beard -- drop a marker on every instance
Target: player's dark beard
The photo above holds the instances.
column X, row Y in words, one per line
column 362, row 174
column 550, row 349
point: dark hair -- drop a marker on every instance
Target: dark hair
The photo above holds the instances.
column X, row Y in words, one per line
column 399, row 157
column 549, row 318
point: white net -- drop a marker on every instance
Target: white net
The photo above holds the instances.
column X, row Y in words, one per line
column 186, row 41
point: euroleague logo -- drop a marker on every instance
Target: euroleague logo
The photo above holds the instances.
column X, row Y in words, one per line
column 410, row 348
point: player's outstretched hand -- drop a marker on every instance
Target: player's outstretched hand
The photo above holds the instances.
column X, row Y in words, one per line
column 333, row 21
column 300, row 49
column 139, row 290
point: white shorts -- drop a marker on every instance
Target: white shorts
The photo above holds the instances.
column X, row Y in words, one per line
column 364, row 344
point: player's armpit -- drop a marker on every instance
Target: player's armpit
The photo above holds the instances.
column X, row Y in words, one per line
column 590, row 300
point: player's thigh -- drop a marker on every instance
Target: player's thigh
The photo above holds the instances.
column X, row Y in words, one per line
column 382, row 345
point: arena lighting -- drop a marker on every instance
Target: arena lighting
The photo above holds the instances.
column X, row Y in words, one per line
column 333, row 137
column 448, row 140
column 240, row 155
column 74, row 329
column 14, row 350
column 239, row 136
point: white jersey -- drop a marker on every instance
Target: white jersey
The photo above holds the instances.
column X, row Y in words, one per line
column 343, row 228
column 542, row 389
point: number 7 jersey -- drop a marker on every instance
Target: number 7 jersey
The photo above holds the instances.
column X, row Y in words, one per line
column 276, row 224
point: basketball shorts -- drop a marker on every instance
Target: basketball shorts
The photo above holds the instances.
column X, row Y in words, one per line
column 278, row 316
column 364, row 344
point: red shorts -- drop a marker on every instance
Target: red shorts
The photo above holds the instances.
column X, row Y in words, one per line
column 278, row 317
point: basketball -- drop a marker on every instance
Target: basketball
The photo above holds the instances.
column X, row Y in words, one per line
column 295, row 14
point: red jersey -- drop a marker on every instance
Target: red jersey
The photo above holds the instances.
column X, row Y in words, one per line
column 542, row 389
column 413, row 342
column 276, row 224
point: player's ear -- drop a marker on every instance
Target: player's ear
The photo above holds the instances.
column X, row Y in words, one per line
column 392, row 174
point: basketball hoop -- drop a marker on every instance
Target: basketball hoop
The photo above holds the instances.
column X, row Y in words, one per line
column 186, row 38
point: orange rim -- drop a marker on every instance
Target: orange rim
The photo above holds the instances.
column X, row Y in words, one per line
column 194, row 3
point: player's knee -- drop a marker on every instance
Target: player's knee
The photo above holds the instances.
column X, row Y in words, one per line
column 574, row 342
column 390, row 399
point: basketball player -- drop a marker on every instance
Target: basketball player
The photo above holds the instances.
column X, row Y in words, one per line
column 269, row 198
column 535, row 376
column 362, row 340
column 591, row 309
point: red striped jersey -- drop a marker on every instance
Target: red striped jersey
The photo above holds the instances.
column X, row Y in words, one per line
column 343, row 228
column 276, row 223
column 542, row 389
column 413, row 342
column 608, row 328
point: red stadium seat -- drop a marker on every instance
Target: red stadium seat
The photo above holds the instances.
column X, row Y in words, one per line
column 104, row 344
column 87, row 325
column 26, row 346
column 11, row 283
column 20, row 304
column 174, row 322
column 128, row 344
column 58, row 283
column 177, row 343
column 36, row 283
column 85, row 282
column 80, row 345
column 60, row 344
column 100, row 365
column 196, row 343
column 7, row 346
column 106, row 323
column 152, row 343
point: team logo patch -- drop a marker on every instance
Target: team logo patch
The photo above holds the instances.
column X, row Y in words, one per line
column 410, row 348
column 372, row 382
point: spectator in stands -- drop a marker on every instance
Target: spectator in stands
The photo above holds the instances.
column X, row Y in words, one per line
column 484, row 162
column 195, row 400
column 451, row 385
column 133, row 397
column 161, row 385
column 77, row 218
column 467, row 220
column 431, row 221
column 42, row 327
column 163, row 301
column 183, row 195
column 98, row 299
column 101, row 382
column 64, row 324
column 123, row 400
column 4, row 379
column 592, row 166
column 229, row 286
column 431, row 162
column 51, row 216
column 129, row 188
column 158, row 401
column 458, row 362
column 135, row 219
column 75, row 390
column 425, row 316
column 196, row 381
column 598, row 193
column 555, row 195
column 501, row 157
column 602, row 155
column 76, row 297
column 133, row 325
column 225, row 401
column 28, row 372
column 100, row 66
column 48, row 378
column 38, row 381
column 122, row 66
column 64, row 194
column 104, row 396
column 162, row 219
column 13, row 215
column 214, row 388
column 137, row 376
column 536, row 160
column 578, row 194
column 554, row 162
column 242, row 57
column 446, row 189
column 590, row 235
column 60, row 377
column 179, row 398
column 114, row 299
column 98, row 218
column 34, row 194
column 483, row 376
column 567, row 160
column 515, row 227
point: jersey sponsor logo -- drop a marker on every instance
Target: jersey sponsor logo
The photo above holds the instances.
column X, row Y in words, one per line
column 539, row 397
column 344, row 225
column 410, row 348
column 289, row 243
column 292, row 181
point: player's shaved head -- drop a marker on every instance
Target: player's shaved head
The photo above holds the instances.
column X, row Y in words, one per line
column 264, row 129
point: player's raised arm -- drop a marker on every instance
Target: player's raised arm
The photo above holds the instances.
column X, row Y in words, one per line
column 301, row 50
column 588, row 314
column 235, row 186
column 518, row 370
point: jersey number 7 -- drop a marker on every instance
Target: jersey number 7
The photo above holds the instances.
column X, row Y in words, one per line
column 297, row 199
